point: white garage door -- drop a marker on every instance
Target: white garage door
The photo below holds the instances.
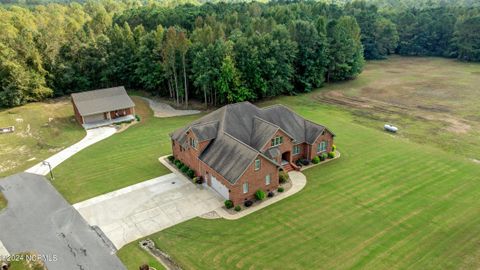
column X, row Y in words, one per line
column 93, row 118
column 219, row 187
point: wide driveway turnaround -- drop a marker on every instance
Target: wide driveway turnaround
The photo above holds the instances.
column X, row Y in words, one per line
column 137, row 211
column 38, row 219
column 93, row 136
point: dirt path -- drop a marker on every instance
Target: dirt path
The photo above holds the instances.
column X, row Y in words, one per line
column 163, row 110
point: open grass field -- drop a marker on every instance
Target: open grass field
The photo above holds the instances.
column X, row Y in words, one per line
column 406, row 201
column 432, row 100
column 123, row 159
column 41, row 130
column 387, row 203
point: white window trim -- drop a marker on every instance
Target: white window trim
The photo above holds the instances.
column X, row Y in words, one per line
column 321, row 149
column 243, row 187
column 259, row 164
column 293, row 150
column 274, row 142
column 269, row 179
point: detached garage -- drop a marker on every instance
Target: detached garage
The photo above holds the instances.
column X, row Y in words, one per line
column 103, row 107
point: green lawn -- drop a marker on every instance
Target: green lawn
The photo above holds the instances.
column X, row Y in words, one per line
column 41, row 130
column 387, row 203
column 133, row 256
column 22, row 262
column 123, row 159
column 402, row 201
column 432, row 100
column 3, row 201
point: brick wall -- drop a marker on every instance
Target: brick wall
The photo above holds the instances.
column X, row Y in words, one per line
column 327, row 136
column 78, row 117
column 255, row 180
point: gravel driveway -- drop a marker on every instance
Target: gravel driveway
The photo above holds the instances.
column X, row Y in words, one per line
column 39, row 219
column 162, row 110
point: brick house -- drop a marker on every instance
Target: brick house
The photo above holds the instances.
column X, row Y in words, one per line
column 103, row 107
column 240, row 148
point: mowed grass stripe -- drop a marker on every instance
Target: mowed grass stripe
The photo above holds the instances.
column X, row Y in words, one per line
column 325, row 218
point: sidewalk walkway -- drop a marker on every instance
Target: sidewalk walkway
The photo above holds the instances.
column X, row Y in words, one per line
column 93, row 136
column 3, row 251
column 298, row 180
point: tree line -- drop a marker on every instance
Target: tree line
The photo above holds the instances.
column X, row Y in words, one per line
column 215, row 52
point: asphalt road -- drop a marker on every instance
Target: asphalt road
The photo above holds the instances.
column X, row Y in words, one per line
column 39, row 219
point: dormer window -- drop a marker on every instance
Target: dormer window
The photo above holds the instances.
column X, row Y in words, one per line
column 276, row 141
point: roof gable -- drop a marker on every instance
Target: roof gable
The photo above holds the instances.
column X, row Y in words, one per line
column 102, row 100
column 238, row 132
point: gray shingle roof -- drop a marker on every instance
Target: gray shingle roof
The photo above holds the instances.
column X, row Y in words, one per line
column 239, row 131
column 102, row 100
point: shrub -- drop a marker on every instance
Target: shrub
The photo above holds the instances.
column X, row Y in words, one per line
column 238, row 208
column 228, row 204
column 177, row 163
column 270, row 194
column 331, row 154
column 248, row 203
column 334, row 147
column 280, row 189
column 282, row 177
column 184, row 168
column 323, row 156
column 305, row 162
column 260, row 194
column 190, row 173
column 316, row 160
column 298, row 163
column 137, row 117
column 171, row 158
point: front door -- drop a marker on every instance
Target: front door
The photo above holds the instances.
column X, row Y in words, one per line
column 285, row 158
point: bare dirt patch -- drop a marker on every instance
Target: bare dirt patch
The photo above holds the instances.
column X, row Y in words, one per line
column 440, row 91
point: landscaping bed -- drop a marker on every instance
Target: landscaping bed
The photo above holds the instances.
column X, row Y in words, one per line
column 320, row 161
column 260, row 197
column 185, row 170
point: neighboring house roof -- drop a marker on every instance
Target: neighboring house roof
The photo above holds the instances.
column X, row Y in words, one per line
column 239, row 131
column 102, row 100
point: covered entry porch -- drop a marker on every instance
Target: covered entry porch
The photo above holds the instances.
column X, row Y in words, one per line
column 106, row 122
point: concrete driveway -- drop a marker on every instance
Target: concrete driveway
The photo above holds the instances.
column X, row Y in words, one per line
column 38, row 219
column 93, row 136
column 137, row 211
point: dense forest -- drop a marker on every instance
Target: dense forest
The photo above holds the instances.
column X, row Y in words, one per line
column 216, row 52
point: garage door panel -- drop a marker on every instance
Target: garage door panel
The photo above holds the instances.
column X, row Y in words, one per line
column 219, row 187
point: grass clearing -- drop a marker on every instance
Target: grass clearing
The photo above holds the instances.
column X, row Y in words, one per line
column 387, row 203
column 432, row 100
column 41, row 130
column 406, row 201
column 121, row 160
column 133, row 256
